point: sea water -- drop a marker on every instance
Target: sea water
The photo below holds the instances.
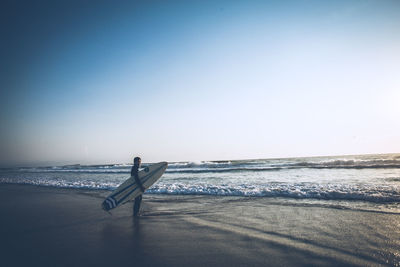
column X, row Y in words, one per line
column 373, row 180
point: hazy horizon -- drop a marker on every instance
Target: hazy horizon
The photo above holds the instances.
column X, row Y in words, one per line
column 198, row 80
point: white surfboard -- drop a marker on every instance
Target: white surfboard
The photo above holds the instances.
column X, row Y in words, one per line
column 129, row 189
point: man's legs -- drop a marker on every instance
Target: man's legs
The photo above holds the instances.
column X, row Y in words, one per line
column 136, row 205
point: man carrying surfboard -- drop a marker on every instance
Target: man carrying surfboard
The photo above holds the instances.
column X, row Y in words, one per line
column 135, row 185
column 134, row 173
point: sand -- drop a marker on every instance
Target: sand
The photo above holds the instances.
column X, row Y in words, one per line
column 43, row 226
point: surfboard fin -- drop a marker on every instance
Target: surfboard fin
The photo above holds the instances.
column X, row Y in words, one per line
column 109, row 212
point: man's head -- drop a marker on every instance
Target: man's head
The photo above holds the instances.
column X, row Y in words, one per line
column 137, row 161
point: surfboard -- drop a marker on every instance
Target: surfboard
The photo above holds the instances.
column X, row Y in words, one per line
column 129, row 189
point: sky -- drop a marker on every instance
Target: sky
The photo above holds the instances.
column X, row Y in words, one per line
column 103, row 81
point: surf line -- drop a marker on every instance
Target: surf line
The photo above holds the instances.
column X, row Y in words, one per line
column 286, row 242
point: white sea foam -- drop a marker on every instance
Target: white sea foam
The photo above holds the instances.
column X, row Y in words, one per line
column 372, row 178
column 372, row 193
column 301, row 191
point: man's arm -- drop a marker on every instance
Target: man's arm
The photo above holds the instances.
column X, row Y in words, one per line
column 135, row 174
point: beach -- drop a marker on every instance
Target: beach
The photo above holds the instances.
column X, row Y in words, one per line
column 259, row 133
column 47, row 226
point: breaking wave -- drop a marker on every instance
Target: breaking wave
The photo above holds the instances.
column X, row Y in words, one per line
column 298, row 191
column 308, row 178
column 228, row 166
column 370, row 193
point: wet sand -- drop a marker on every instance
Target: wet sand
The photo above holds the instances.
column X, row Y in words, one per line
column 43, row 226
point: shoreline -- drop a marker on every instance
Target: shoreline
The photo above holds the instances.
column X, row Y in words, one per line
column 388, row 207
column 66, row 227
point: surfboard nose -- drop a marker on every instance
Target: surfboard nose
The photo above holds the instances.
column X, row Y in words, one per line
column 109, row 203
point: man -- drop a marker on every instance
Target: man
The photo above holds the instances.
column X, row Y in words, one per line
column 134, row 172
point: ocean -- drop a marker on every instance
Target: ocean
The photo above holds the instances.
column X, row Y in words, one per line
column 367, row 181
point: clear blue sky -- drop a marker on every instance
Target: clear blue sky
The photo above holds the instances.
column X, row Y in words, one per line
column 198, row 80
